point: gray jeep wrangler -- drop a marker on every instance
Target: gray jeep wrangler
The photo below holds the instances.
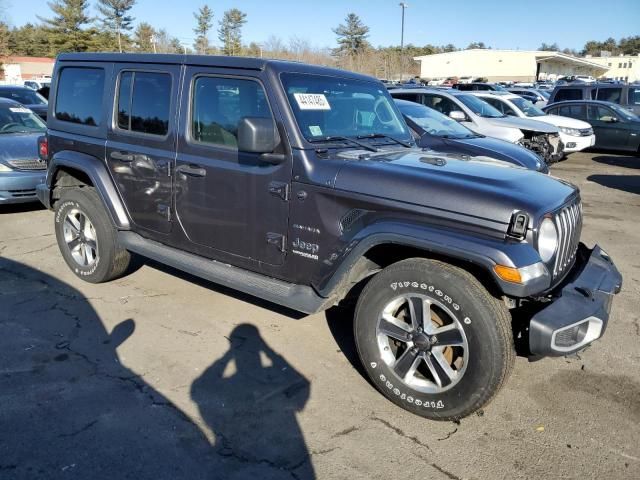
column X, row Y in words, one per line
column 302, row 185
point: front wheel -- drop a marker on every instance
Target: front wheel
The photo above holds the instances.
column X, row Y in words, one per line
column 432, row 339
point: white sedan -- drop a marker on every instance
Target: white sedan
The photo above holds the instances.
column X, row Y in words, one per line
column 576, row 135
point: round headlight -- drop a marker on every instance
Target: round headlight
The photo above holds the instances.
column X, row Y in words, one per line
column 547, row 240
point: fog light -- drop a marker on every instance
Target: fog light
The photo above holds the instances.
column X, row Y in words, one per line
column 571, row 145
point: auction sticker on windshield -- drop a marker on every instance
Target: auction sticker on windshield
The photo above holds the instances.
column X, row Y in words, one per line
column 312, row 101
column 19, row 110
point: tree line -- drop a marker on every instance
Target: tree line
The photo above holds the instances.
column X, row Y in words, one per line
column 71, row 28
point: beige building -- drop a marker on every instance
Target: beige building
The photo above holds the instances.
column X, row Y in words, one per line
column 501, row 65
column 15, row 70
column 620, row 67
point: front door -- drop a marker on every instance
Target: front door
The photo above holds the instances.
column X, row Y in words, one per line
column 141, row 144
column 226, row 200
column 609, row 133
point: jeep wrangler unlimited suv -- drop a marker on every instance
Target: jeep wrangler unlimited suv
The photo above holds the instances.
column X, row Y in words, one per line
column 302, row 185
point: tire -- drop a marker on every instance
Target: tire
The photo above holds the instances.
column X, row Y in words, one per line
column 91, row 252
column 472, row 331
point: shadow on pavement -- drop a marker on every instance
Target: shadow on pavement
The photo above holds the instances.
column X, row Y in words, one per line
column 250, row 398
column 20, row 207
column 216, row 287
column 69, row 407
column 618, row 161
column 626, row 183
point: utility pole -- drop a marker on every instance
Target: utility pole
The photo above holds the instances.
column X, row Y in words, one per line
column 404, row 6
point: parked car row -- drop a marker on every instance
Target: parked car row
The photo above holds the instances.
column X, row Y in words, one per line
column 482, row 118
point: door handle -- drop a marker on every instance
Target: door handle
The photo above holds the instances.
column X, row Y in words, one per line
column 123, row 157
column 192, row 170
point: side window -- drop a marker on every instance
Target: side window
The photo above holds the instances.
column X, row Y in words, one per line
column 568, row 94
column 441, row 104
column 218, row 105
column 494, row 102
column 634, row 96
column 411, row 97
column 144, row 102
column 610, row 94
column 573, row 111
column 598, row 112
column 79, row 96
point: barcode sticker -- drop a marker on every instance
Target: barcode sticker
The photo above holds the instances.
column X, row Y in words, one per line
column 19, row 110
column 312, row 101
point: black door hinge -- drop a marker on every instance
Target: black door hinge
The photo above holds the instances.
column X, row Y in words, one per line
column 276, row 239
column 280, row 189
column 165, row 211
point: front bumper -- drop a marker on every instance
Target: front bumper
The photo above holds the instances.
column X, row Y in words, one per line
column 20, row 186
column 577, row 144
column 579, row 313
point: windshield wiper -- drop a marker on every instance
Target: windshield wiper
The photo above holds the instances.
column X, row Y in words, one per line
column 382, row 135
column 344, row 139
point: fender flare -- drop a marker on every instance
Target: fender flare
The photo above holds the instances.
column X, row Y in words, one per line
column 482, row 251
column 97, row 172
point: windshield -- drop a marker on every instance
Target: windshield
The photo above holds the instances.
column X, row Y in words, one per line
column 25, row 96
column 332, row 106
column 18, row 119
column 435, row 122
column 526, row 107
column 544, row 93
column 479, row 106
column 626, row 114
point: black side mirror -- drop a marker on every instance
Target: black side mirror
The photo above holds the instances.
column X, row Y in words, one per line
column 257, row 135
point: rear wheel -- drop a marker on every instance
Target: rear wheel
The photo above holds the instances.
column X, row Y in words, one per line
column 432, row 339
column 86, row 237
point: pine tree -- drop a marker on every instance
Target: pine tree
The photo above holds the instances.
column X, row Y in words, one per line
column 116, row 18
column 144, row 37
column 352, row 37
column 230, row 31
column 67, row 26
column 204, row 19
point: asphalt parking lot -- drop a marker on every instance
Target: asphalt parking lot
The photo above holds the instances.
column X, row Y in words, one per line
column 160, row 375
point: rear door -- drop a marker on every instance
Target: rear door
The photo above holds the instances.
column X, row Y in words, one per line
column 226, row 200
column 141, row 142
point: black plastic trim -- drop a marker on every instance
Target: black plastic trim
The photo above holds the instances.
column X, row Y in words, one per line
column 589, row 294
column 296, row 297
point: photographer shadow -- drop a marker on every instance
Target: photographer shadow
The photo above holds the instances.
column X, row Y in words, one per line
column 250, row 398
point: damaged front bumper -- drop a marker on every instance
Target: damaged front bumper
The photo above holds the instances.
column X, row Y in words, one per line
column 579, row 311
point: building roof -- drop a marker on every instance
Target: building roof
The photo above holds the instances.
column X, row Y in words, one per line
column 538, row 54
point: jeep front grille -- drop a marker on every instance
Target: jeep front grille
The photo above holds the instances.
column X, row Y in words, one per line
column 569, row 225
column 27, row 164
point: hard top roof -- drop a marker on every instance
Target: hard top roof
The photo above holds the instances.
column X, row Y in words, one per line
column 219, row 61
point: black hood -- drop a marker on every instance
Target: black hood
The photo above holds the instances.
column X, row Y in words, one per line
column 483, row 188
column 500, row 150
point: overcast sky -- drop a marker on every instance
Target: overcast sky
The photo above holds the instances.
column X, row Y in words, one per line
column 498, row 23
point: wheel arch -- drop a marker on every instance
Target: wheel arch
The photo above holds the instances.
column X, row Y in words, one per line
column 68, row 169
column 470, row 252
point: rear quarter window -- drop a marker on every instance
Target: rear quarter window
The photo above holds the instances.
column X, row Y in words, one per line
column 568, row 94
column 610, row 94
column 79, row 95
column 634, row 96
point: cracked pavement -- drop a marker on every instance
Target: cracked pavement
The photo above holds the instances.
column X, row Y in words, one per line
column 160, row 375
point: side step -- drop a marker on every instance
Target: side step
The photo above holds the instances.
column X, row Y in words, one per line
column 297, row 297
